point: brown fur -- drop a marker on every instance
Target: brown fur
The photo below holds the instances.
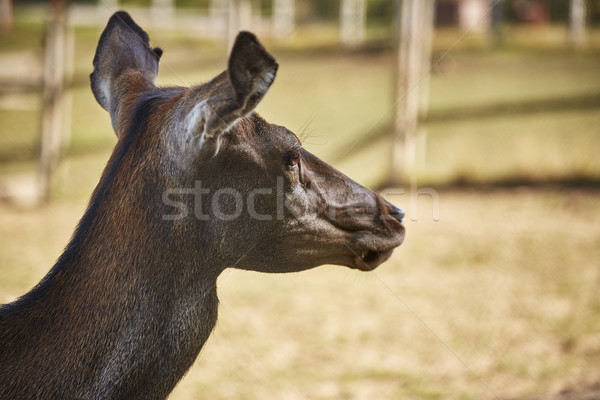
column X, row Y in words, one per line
column 128, row 306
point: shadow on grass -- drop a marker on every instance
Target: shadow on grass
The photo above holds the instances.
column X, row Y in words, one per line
column 353, row 146
column 466, row 184
column 575, row 181
column 573, row 103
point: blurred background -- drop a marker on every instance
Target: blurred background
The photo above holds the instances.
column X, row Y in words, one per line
column 481, row 118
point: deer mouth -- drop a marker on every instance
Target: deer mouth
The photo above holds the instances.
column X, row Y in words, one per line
column 371, row 254
column 368, row 260
column 373, row 236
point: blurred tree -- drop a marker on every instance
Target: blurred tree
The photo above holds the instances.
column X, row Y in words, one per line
column 326, row 9
column 497, row 20
column 202, row 4
column 380, row 12
column 137, row 3
column 559, row 10
column 594, row 13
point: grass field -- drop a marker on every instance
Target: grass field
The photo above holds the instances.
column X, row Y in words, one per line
column 496, row 299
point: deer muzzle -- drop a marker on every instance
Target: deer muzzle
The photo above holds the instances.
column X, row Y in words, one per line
column 375, row 229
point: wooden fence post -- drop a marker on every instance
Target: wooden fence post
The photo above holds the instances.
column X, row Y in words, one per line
column 106, row 8
column 412, row 70
column 239, row 18
column 283, row 18
column 577, row 23
column 427, row 30
column 6, row 15
column 53, row 96
column 353, row 15
column 162, row 13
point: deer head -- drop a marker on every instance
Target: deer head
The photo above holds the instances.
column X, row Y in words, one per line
column 198, row 182
column 210, row 168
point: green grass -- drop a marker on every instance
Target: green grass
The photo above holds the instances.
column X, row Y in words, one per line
column 511, row 114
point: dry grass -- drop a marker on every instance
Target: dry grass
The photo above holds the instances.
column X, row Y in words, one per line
column 497, row 299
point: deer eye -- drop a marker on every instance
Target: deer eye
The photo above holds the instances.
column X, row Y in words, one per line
column 292, row 158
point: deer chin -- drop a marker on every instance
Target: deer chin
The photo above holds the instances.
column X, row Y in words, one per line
column 368, row 260
column 369, row 255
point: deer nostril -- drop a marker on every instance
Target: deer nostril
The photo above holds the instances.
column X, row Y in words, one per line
column 397, row 213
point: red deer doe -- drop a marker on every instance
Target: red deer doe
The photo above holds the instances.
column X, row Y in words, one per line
column 197, row 183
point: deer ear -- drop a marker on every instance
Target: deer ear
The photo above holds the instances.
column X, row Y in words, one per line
column 251, row 71
column 124, row 65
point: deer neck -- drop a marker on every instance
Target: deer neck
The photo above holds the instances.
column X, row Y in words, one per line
column 158, row 301
column 124, row 247
column 141, row 290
